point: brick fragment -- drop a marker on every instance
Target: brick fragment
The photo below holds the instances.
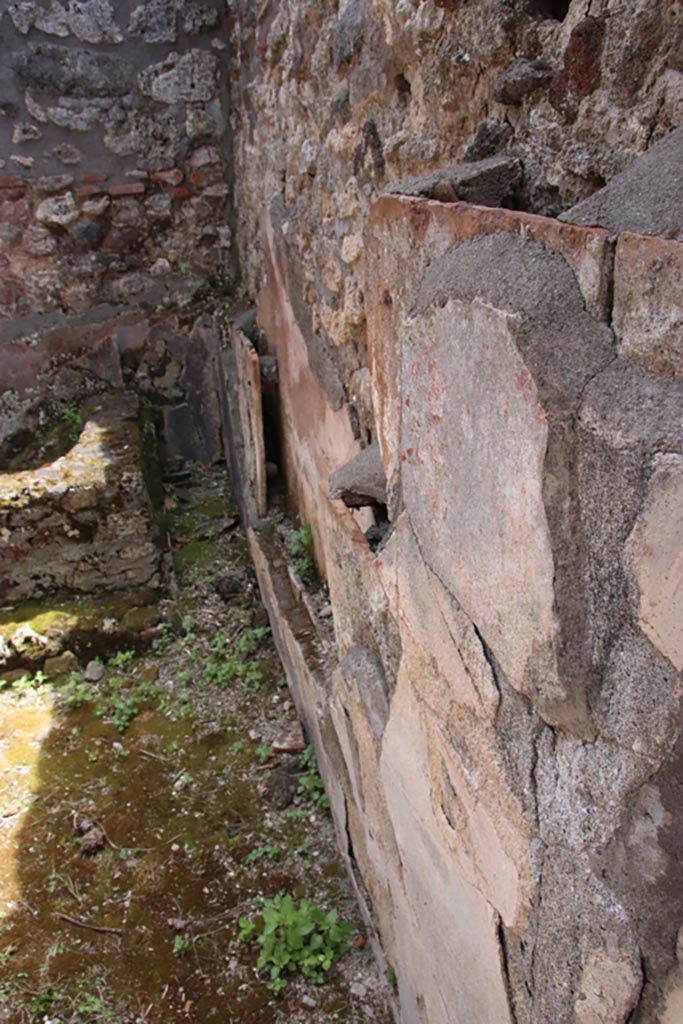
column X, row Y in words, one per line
column 133, row 188
column 172, row 176
column 207, row 176
column 85, row 191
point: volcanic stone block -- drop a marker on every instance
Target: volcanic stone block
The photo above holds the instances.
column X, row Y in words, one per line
column 646, row 198
column 521, row 78
column 488, row 182
column 62, row 71
column 362, row 481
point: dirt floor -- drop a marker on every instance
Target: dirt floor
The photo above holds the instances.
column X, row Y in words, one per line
column 151, row 801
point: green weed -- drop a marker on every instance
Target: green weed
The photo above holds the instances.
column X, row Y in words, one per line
column 74, row 421
column 269, row 851
column 181, row 945
column 296, row 938
column 26, row 684
column 311, row 786
column 75, row 693
column 300, row 547
column 121, row 659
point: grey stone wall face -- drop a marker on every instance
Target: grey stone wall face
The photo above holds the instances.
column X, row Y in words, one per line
column 114, row 149
column 498, row 719
column 333, row 102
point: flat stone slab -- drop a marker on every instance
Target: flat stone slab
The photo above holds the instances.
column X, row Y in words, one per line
column 362, row 481
column 487, row 182
column 648, row 317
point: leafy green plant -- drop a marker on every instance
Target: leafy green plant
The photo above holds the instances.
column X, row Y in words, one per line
column 75, row 693
column 123, row 702
column 263, row 752
column 163, row 642
column 252, row 676
column 219, row 643
column 125, row 710
column 72, row 418
column 121, row 659
column 221, row 673
column 269, row 851
column 311, row 786
column 25, row 684
column 300, row 547
column 44, row 1000
column 251, row 640
column 237, row 665
column 296, row 938
column 90, row 1005
column 181, row 945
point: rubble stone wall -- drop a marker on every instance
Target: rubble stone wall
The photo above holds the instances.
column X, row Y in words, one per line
column 333, row 100
column 114, row 152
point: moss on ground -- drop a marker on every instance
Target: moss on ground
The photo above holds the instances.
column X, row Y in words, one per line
column 141, row 821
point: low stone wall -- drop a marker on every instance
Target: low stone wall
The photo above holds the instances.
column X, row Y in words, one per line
column 500, row 726
column 52, row 363
column 82, row 524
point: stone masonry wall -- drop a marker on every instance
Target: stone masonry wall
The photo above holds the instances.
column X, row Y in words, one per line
column 114, row 151
column 332, row 101
column 498, row 721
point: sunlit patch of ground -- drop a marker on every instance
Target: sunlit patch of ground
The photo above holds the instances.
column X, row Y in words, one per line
column 24, row 724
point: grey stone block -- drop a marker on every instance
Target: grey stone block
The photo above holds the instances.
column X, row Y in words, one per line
column 363, row 668
column 63, row 71
column 488, row 182
column 646, row 198
column 361, row 481
column 521, row 78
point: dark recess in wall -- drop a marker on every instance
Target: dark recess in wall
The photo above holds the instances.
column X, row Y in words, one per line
column 556, row 9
